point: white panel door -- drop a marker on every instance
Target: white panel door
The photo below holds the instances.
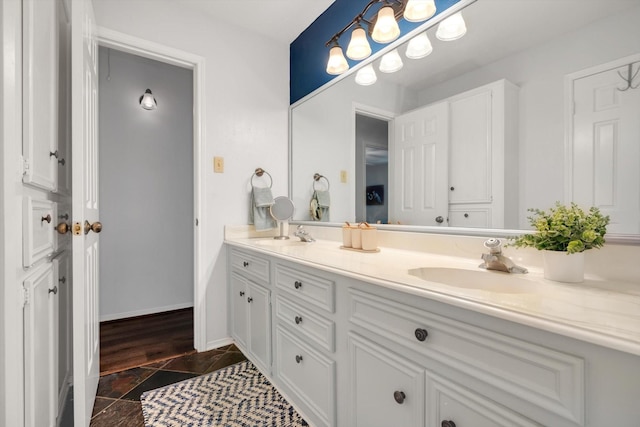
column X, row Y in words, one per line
column 606, row 148
column 84, row 143
column 419, row 180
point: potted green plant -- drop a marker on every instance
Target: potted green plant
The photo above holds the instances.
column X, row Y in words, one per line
column 564, row 233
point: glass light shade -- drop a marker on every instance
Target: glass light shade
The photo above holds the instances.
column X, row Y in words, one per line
column 359, row 45
column 452, row 28
column 366, row 76
column 391, row 62
column 147, row 101
column 419, row 10
column 419, row 46
column 337, row 63
column 386, row 29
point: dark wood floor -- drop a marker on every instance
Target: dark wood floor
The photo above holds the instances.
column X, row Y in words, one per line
column 138, row 341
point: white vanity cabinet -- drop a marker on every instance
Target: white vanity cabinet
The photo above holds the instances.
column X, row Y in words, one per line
column 251, row 307
column 349, row 351
column 305, row 364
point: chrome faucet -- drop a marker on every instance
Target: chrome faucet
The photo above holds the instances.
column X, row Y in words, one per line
column 303, row 235
column 494, row 260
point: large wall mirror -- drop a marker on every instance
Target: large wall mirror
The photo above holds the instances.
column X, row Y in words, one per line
column 539, row 102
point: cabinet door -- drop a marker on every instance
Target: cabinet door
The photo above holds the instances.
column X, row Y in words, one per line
column 386, row 389
column 470, row 149
column 239, row 314
column 40, row 341
column 64, row 99
column 449, row 404
column 40, row 89
column 260, row 325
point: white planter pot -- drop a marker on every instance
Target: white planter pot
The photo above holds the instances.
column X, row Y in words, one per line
column 563, row 267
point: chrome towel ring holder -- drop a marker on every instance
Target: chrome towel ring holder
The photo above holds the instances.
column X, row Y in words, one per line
column 259, row 172
column 316, row 178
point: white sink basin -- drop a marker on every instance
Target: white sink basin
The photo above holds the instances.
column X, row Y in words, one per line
column 280, row 243
column 488, row 280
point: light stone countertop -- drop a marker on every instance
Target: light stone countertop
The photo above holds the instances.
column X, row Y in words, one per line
column 601, row 312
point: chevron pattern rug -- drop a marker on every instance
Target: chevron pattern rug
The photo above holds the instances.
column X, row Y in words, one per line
column 236, row 396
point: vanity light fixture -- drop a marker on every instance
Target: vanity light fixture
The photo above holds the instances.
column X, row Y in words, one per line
column 366, row 76
column 147, row 101
column 391, row 62
column 419, row 46
column 337, row 63
column 419, row 10
column 452, row 28
column 382, row 27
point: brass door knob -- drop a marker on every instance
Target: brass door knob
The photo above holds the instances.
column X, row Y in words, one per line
column 63, row 228
column 96, row 227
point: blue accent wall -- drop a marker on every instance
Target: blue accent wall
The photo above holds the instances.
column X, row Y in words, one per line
column 309, row 55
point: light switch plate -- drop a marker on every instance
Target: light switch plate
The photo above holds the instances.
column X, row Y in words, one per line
column 218, row 164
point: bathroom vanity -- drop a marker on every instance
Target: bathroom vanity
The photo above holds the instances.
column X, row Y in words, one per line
column 411, row 338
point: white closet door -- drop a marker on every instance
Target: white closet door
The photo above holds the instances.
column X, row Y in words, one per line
column 85, row 241
column 606, row 148
column 419, row 179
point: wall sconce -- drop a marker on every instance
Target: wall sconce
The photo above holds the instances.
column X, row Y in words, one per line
column 382, row 28
column 147, row 101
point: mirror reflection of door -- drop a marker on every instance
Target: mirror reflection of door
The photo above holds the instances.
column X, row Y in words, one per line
column 372, row 169
column 605, row 144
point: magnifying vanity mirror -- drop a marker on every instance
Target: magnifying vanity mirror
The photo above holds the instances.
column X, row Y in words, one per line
column 281, row 210
column 537, row 103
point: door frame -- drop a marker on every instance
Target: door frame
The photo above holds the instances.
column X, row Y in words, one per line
column 141, row 47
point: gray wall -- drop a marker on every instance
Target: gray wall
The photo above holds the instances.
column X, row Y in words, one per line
column 146, row 187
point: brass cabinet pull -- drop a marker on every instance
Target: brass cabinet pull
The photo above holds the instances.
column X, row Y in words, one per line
column 298, row 358
column 297, row 284
column 448, row 424
column 46, row 218
column 399, row 397
column 298, row 320
column 54, row 290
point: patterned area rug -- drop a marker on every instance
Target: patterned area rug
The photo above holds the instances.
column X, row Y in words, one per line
column 236, row 396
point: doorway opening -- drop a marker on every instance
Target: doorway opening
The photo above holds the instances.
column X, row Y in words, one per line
column 372, row 168
column 146, row 197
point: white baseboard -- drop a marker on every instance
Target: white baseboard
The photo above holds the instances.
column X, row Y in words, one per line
column 116, row 316
column 219, row 343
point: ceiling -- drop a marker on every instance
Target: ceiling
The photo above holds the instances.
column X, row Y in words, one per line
column 280, row 20
column 526, row 22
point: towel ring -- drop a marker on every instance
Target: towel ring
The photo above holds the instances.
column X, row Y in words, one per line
column 317, row 177
column 259, row 172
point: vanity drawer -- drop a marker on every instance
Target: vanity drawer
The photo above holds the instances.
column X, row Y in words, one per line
column 448, row 401
column 309, row 375
column 38, row 235
column 251, row 265
column 475, row 217
column 537, row 375
column 306, row 287
column 311, row 327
